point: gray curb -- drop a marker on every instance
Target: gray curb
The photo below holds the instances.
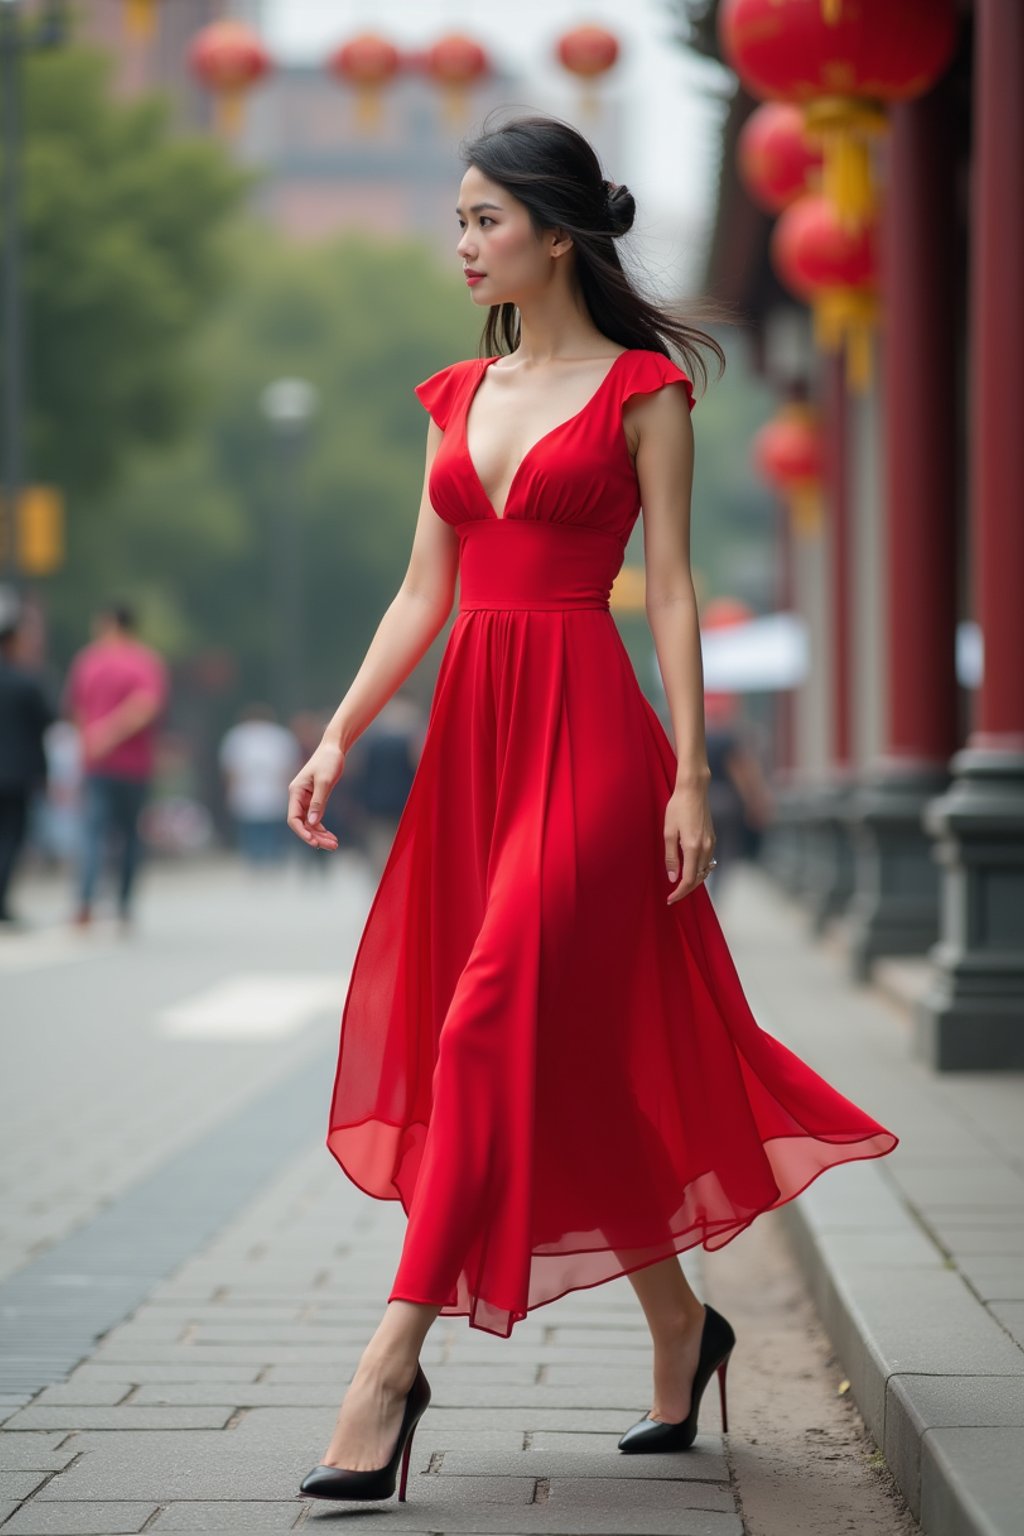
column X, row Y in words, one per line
column 939, row 1383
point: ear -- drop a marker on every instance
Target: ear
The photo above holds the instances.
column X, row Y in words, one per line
column 561, row 243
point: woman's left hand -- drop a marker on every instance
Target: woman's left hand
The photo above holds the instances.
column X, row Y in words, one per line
column 688, row 828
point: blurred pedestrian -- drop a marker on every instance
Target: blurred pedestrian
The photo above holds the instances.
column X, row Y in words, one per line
column 26, row 711
column 392, row 744
column 116, row 690
column 738, row 793
column 258, row 757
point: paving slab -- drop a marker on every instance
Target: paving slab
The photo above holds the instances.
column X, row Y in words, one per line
column 972, row 1479
column 196, row 1516
column 72, row 1416
column 101, row 1518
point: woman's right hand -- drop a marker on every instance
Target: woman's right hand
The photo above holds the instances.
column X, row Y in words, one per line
column 308, row 792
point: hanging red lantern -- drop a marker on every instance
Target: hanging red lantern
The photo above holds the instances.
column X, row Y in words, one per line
column 228, row 58
column 456, row 62
column 835, row 270
column 587, row 52
column 842, row 61
column 367, row 63
column 775, row 159
column 788, row 453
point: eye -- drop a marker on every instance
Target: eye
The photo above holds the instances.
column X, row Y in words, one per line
column 484, row 218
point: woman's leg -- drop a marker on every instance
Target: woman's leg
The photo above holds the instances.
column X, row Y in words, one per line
column 371, row 1413
column 675, row 1316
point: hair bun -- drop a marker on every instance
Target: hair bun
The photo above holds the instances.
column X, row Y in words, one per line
column 619, row 205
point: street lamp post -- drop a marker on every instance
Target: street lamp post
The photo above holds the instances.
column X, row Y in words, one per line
column 288, row 405
column 48, row 34
column 10, row 200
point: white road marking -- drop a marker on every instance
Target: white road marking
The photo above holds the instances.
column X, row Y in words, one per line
column 256, row 1005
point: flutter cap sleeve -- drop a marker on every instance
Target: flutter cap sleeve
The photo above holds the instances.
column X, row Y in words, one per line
column 652, row 370
column 439, row 393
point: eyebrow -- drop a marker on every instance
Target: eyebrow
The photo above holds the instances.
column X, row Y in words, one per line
column 476, row 208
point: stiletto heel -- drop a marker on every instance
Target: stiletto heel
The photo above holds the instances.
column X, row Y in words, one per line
column 326, row 1482
column 717, row 1341
column 405, row 1471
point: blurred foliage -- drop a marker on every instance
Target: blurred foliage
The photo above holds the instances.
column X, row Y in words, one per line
column 123, row 233
column 191, row 535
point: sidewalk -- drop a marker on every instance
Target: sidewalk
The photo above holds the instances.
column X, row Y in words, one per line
column 232, row 1280
column 916, row 1260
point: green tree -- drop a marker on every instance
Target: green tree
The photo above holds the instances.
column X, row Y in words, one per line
column 123, row 227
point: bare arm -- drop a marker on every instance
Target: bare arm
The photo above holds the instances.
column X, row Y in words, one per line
column 410, row 624
column 125, row 720
column 664, row 462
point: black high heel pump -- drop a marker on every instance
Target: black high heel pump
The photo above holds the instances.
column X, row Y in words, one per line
column 716, row 1345
column 326, row 1482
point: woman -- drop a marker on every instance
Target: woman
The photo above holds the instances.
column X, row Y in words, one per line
column 546, row 1054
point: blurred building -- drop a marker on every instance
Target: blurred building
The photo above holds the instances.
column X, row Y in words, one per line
column 158, row 62
column 326, row 170
column 327, row 166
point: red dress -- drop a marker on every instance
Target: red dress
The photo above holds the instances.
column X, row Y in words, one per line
column 557, row 1074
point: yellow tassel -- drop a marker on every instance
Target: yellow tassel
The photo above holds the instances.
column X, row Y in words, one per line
column 844, row 126
column 368, row 108
column 805, row 509
column 140, row 16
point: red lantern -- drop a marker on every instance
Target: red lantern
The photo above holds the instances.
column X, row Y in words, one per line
column 228, row 58
column 366, row 63
column 774, row 157
column 842, row 61
column 456, row 62
column 788, row 453
column 836, row 271
column 588, row 52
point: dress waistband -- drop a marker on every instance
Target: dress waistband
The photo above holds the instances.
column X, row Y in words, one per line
column 519, row 564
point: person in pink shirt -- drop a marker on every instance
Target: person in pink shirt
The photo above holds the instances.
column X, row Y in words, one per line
column 115, row 692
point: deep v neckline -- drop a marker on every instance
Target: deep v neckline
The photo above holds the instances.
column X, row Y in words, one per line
column 560, row 426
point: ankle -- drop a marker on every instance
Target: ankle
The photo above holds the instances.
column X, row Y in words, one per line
column 392, row 1364
column 669, row 1330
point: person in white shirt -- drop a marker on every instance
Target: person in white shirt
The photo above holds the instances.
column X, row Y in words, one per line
column 259, row 758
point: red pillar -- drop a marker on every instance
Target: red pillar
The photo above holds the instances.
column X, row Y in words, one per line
column 837, row 483
column 785, row 602
column 920, row 394
column 997, row 372
column 898, row 884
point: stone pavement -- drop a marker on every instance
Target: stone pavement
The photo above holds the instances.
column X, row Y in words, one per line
column 224, row 1285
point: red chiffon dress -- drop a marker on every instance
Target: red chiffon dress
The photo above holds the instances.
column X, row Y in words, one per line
column 556, row 1073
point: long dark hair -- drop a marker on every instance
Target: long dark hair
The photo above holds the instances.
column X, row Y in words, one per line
column 550, row 167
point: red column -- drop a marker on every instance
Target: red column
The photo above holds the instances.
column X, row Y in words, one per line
column 997, row 372
column 920, row 393
column 837, row 501
column 785, row 602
